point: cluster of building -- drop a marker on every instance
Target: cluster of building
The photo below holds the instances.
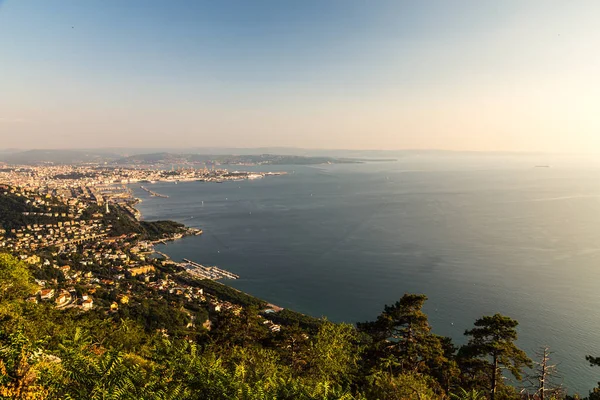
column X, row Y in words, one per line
column 75, row 180
column 64, row 298
column 60, row 235
column 66, row 238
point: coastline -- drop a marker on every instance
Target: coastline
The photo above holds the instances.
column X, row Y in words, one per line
column 137, row 215
column 188, row 231
column 222, row 289
column 193, row 269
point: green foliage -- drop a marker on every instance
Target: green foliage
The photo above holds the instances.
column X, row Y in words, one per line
column 49, row 273
column 491, row 346
column 146, row 350
column 292, row 344
column 291, row 318
column 463, row 394
column 155, row 314
column 224, row 292
column 400, row 341
column 595, row 393
column 87, row 371
column 244, row 330
column 158, row 229
column 15, row 279
column 406, row 386
column 124, row 224
column 594, row 361
column 333, row 353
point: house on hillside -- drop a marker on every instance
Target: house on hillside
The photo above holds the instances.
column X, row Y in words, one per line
column 87, row 304
column 63, row 298
column 46, row 294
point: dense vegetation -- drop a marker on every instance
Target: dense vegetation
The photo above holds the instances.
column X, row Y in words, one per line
column 158, row 229
column 148, row 350
column 290, row 317
column 124, row 224
column 224, row 292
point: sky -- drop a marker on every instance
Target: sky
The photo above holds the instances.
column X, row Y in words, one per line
column 476, row 75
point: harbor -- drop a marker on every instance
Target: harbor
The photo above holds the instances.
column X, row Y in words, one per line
column 207, row 272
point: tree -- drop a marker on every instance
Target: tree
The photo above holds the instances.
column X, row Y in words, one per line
column 543, row 376
column 15, row 279
column 492, row 344
column 401, row 337
column 333, row 354
column 15, row 285
column 594, row 362
column 245, row 329
column 293, row 343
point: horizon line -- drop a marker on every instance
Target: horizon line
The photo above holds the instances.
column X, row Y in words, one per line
column 192, row 150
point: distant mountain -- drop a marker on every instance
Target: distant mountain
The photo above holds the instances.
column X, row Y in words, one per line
column 231, row 159
column 152, row 158
column 33, row 157
column 121, row 157
column 109, row 154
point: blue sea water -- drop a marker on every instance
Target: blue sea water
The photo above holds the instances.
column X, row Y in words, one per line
column 477, row 235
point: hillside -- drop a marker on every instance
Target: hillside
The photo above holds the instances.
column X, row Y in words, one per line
column 229, row 159
column 151, row 347
column 34, row 157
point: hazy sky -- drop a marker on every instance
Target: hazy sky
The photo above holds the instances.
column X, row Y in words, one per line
column 462, row 75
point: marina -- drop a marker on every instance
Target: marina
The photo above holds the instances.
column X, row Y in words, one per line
column 207, row 272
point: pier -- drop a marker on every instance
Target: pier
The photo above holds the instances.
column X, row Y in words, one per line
column 202, row 271
column 153, row 193
column 160, row 253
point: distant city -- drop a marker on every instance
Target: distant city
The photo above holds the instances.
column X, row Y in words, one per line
column 76, row 225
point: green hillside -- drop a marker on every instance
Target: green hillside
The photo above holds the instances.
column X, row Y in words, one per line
column 149, row 349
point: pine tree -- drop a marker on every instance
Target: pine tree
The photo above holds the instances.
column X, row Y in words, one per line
column 402, row 342
column 492, row 343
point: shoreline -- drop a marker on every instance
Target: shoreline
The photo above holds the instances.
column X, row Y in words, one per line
column 225, row 274
column 193, row 268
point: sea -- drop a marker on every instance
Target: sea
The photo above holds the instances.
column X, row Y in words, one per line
column 511, row 234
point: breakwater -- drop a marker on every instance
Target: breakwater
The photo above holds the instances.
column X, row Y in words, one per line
column 152, row 193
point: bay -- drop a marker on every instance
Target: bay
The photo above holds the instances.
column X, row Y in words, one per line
column 478, row 235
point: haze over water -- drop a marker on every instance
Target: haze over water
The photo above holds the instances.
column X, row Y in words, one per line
column 477, row 235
